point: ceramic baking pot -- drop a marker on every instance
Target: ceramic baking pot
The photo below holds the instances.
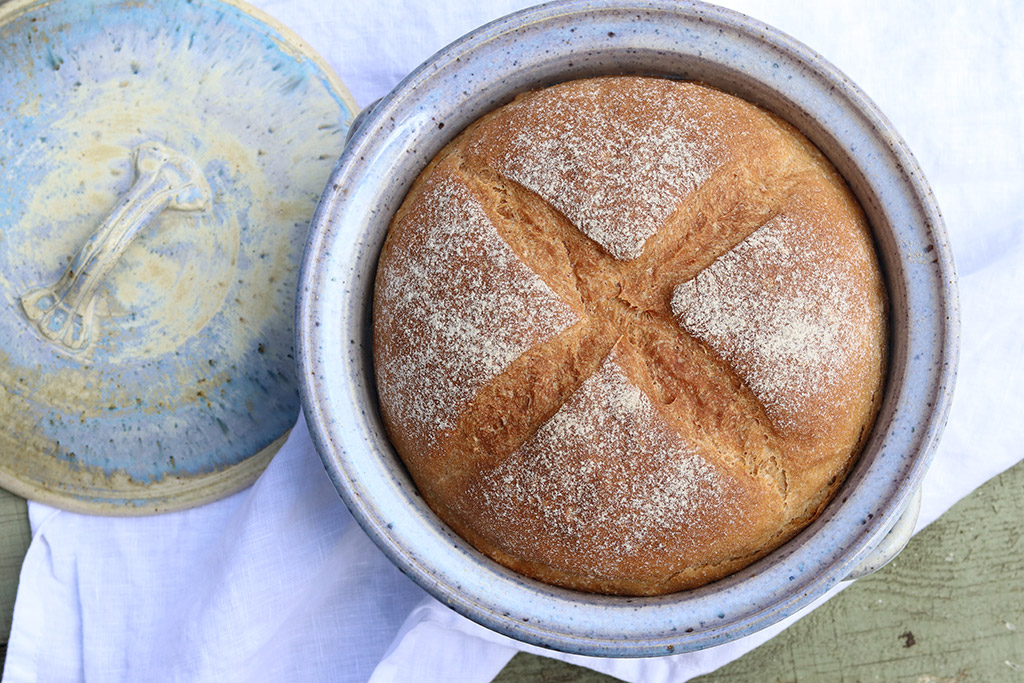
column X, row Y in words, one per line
column 558, row 42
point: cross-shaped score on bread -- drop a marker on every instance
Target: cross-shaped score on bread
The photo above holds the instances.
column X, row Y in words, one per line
column 629, row 334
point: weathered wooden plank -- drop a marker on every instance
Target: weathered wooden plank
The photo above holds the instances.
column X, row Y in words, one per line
column 950, row 608
column 14, row 540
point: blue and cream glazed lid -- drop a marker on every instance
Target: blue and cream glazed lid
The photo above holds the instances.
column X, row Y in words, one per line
column 159, row 164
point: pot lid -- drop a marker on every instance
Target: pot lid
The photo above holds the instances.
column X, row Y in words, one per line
column 160, row 162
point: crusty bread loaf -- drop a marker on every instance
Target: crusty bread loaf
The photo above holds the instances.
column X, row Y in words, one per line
column 629, row 334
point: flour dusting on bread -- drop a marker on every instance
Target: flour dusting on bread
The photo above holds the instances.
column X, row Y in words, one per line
column 783, row 320
column 461, row 307
column 607, row 474
column 616, row 162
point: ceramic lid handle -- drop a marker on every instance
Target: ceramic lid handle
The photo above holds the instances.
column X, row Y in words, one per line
column 164, row 179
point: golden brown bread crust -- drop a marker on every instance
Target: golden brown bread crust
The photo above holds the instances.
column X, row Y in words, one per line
column 629, row 334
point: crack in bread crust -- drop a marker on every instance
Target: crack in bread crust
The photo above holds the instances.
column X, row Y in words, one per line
column 508, row 410
column 578, row 269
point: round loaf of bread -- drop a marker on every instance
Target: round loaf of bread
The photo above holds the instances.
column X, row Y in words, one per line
column 629, row 334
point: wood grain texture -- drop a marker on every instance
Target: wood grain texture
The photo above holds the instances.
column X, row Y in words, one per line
column 14, row 539
column 950, row 608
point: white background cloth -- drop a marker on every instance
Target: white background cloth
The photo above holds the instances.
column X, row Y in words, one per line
column 278, row 583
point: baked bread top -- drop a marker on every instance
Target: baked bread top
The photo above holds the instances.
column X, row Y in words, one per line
column 629, row 334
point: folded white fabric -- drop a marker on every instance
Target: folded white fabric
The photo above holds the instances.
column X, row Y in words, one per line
column 278, row 583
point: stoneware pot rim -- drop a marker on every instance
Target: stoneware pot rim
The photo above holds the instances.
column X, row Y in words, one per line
column 570, row 39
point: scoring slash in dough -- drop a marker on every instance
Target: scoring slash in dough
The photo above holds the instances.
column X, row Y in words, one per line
column 605, row 482
column 786, row 324
column 450, row 328
column 616, row 160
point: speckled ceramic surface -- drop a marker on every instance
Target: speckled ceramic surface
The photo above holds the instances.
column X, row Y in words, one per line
column 160, row 163
column 557, row 42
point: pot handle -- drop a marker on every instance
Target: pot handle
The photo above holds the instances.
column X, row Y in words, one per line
column 894, row 541
column 360, row 119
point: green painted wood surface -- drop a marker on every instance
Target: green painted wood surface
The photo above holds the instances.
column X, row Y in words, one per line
column 950, row 608
column 14, row 540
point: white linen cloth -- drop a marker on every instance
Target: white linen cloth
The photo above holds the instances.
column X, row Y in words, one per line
column 278, row 583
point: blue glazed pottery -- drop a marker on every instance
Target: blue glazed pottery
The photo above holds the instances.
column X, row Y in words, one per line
column 160, row 161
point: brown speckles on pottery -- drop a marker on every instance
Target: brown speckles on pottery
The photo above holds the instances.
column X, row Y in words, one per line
column 562, row 41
